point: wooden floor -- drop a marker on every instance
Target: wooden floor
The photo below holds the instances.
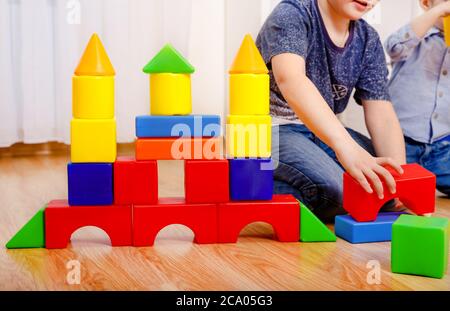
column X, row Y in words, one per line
column 174, row 263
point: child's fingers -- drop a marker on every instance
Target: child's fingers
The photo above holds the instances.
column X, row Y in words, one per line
column 390, row 162
column 387, row 176
column 376, row 182
column 361, row 179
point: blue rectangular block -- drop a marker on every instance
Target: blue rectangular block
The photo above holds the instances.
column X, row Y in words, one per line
column 355, row 232
column 177, row 126
column 251, row 179
column 90, row 183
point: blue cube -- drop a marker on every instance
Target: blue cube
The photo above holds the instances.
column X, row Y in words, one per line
column 251, row 179
column 355, row 232
column 177, row 126
column 90, row 183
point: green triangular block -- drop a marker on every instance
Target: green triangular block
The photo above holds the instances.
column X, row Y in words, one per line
column 168, row 60
column 32, row 235
column 312, row 229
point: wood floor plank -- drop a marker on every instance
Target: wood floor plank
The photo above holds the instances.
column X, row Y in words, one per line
column 256, row 262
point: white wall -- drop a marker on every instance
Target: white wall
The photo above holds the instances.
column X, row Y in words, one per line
column 40, row 49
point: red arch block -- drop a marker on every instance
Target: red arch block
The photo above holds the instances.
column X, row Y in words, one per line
column 282, row 212
column 148, row 220
column 61, row 221
column 415, row 188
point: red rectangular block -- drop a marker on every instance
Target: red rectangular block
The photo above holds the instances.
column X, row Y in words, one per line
column 61, row 221
column 148, row 220
column 182, row 148
column 416, row 188
column 282, row 212
column 206, row 181
column 135, row 182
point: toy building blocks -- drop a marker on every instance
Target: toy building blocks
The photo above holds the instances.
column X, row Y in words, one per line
column 447, row 30
column 248, row 59
column 93, row 140
column 206, row 181
column 249, row 136
column 93, row 97
column 61, row 221
column 420, row 246
column 168, row 60
column 282, row 212
column 90, row 183
column 170, row 83
column 95, row 60
column 354, row 232
column 178, row 126
column 135, row 182
column 178, row 148
column 415, row 188
column 93, row 84
column 249, row 94
column 312, row 229
column 148, row 220
column 251, row 179
column 249, row 81
column 31, row 235
column 170, row 94
column 93, row 127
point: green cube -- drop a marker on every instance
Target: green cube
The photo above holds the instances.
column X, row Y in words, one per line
column 420, row 246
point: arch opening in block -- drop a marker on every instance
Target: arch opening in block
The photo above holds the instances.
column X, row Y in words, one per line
column 89, row 235
column 178, row 232
column 166, row 232
column 258, row 229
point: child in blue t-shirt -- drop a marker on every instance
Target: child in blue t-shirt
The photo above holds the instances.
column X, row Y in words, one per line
column 420, row 89
column 319, row 52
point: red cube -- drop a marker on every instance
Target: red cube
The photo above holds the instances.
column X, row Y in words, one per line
column 135, row 182
column 206, row 181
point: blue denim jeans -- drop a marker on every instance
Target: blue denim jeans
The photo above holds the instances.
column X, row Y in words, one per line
column 434, row 157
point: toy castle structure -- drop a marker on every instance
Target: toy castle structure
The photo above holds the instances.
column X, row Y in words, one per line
column 223, row 194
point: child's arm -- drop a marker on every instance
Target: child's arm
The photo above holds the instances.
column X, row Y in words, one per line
column 306, row 101
column 423, row 23
column 401, row 44
column 385, row 130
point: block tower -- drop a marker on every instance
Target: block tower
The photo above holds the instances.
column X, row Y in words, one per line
column 120, row 195
column 93, row 129
column 249, row 126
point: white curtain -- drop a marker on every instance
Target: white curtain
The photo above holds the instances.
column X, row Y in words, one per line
column 41, row 42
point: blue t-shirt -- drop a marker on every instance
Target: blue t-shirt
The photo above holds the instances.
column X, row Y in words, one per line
column 296, row 26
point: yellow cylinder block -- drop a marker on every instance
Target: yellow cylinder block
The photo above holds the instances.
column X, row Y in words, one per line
column 249, row 136
column 170, row 94
column 93, row 97
column 249, row 94
column 93, row 140
column 447, row 30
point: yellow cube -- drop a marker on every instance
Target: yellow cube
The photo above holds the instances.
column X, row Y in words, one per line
column 447, row 30
column 93, row 97
column 249, row 136
column 170, row 94
column 93, row 140
column 249, row 94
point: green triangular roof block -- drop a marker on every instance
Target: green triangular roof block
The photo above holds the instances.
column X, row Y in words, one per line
column 312, row 229
column 32, row 235
column 168, row 60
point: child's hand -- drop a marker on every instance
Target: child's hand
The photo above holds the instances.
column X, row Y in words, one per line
column 363, row 167
column 443, row 9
